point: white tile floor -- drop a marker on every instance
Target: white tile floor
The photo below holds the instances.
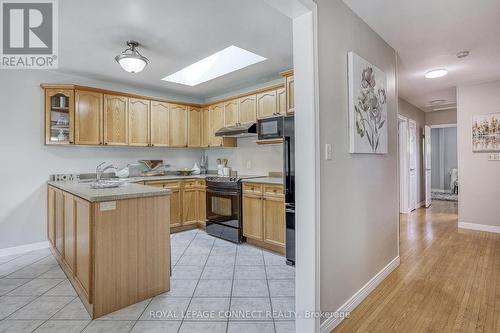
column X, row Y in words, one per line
column 217, row 285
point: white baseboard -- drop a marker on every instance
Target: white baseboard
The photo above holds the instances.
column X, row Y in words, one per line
column 328, row 325
column 479, row 227
column 421, row 204
column 23, row 248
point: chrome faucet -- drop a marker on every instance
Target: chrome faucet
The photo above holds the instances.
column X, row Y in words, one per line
column 99, row 170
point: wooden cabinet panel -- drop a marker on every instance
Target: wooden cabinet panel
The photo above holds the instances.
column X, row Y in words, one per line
column 51, row 215
column 189, row 206
column 248, row 109
column 175, row 208
column 88, row 117
column 290, row 95
column 216, row 123
column 83, row 225
column 274, row 221
column 59, row 222
column 202, row 206
column 194, row 127
column 231, row 113
column 273, row 190
column 138, row 122
column 205, row 128
column 252, row 216
column 69, row 231
column 178, row 125
column 159, row 124
column 59, row 116
column 115, row 120
column 281, row 100
column 252, row 188
column 266, row 104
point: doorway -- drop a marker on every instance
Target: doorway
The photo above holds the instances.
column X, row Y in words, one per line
column 409, row 169
column 444, row 180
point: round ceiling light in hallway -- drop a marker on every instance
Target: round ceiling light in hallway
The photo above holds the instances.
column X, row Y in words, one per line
column 435, row 73
column 130, row 59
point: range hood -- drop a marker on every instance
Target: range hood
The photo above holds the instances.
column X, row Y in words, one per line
column 238, row 131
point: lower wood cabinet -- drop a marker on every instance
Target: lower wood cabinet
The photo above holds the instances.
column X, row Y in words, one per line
column 83, row 227
column 187, row 201
column 69, row 231
column 264, row 215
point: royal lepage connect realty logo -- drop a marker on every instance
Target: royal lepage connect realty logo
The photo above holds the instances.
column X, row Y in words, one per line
column 28, row 34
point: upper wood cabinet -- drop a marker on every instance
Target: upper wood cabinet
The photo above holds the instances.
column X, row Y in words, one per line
column 248, row 109
column 231, row 113
column 290, row 95
column 216, row 123
column 59, row 116
column 205, row 127
column 266, row 104
column 159, row 124
column 178, row 123
column 138, row 122
column 88, row 117
column 194, row 127
column 281, row 100
column 115, row 120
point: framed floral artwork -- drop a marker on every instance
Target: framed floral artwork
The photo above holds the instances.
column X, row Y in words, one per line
column 367, row 107
column 486, row 132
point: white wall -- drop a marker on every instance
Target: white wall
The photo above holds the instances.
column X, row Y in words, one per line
column 26, row 162
column 263, row 158
column 359, row 192
column 444, row 117
column 479, row 179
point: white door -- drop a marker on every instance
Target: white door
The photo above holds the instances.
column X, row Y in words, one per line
column 403, row 165
column 413, row 163
column 427, row 166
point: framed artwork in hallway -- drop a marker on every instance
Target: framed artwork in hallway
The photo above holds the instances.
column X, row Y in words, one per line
column 367, row 107
column 486, row 132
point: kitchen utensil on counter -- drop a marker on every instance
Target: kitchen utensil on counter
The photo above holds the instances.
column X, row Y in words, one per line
column 226, row 171
column 185, row 172
column 152, row 164
column 122, row 173
column 196, row 169
column 204, row 164
column 224, row 162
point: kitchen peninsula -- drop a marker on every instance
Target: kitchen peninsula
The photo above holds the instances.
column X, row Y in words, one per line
column 112, row 243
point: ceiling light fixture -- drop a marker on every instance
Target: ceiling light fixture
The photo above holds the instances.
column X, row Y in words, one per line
column 223, row 62
column 130, row 59
column 435, row 73
column 462, row 54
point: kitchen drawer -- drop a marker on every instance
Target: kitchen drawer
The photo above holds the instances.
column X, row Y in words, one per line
column 189, row 183
column 252, row 188
column 172, row 184
column 273, row 190
column 200, row 183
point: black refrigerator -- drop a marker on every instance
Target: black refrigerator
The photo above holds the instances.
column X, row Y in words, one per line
column 289, row 186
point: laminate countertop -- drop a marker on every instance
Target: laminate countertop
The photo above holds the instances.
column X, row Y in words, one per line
column 265, row 180
column 126, row 191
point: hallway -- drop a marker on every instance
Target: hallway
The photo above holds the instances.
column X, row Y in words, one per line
column 448, row 280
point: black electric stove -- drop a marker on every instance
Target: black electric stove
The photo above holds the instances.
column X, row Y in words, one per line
column 224, row 207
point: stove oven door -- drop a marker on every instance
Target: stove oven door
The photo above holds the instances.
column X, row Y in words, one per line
column 224, row 213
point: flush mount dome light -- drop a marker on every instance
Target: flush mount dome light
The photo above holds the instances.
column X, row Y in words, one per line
column 435, row 73
column 130, row 59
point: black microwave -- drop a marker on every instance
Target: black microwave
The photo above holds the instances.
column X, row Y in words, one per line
column 270, row 128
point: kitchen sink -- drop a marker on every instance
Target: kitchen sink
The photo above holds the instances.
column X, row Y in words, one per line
column 107, row 184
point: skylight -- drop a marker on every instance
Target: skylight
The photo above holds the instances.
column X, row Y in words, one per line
column 226, row 61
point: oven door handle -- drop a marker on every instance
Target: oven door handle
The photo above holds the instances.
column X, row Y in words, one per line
column 223, row 192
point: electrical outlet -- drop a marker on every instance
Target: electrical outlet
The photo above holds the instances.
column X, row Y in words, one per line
column 249, row 164
column 328, row 151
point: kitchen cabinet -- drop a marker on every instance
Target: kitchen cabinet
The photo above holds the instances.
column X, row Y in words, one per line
column 264, row 215
column 216, row 123
column 138, row 122
column 51, row 216
column 205, row 127
column 59, row 116
column 159, row 124
column 69, row 231
column 190, row 205
column 290, row 91
column 59, row 222
column 281, row 100
column 88, row 117
column 178, row 122
column 115, row 120
column 202, row 202
column 231, row 113
column 194, row 127
column 266, row 104
column 248, row 109
column 83, row 227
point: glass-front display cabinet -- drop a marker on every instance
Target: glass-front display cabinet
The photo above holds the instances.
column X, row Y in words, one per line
column 59, row 116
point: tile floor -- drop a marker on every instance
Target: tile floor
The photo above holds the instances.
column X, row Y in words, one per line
column 217, row 285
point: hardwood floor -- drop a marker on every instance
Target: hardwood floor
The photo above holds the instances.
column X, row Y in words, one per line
column 448, row 280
